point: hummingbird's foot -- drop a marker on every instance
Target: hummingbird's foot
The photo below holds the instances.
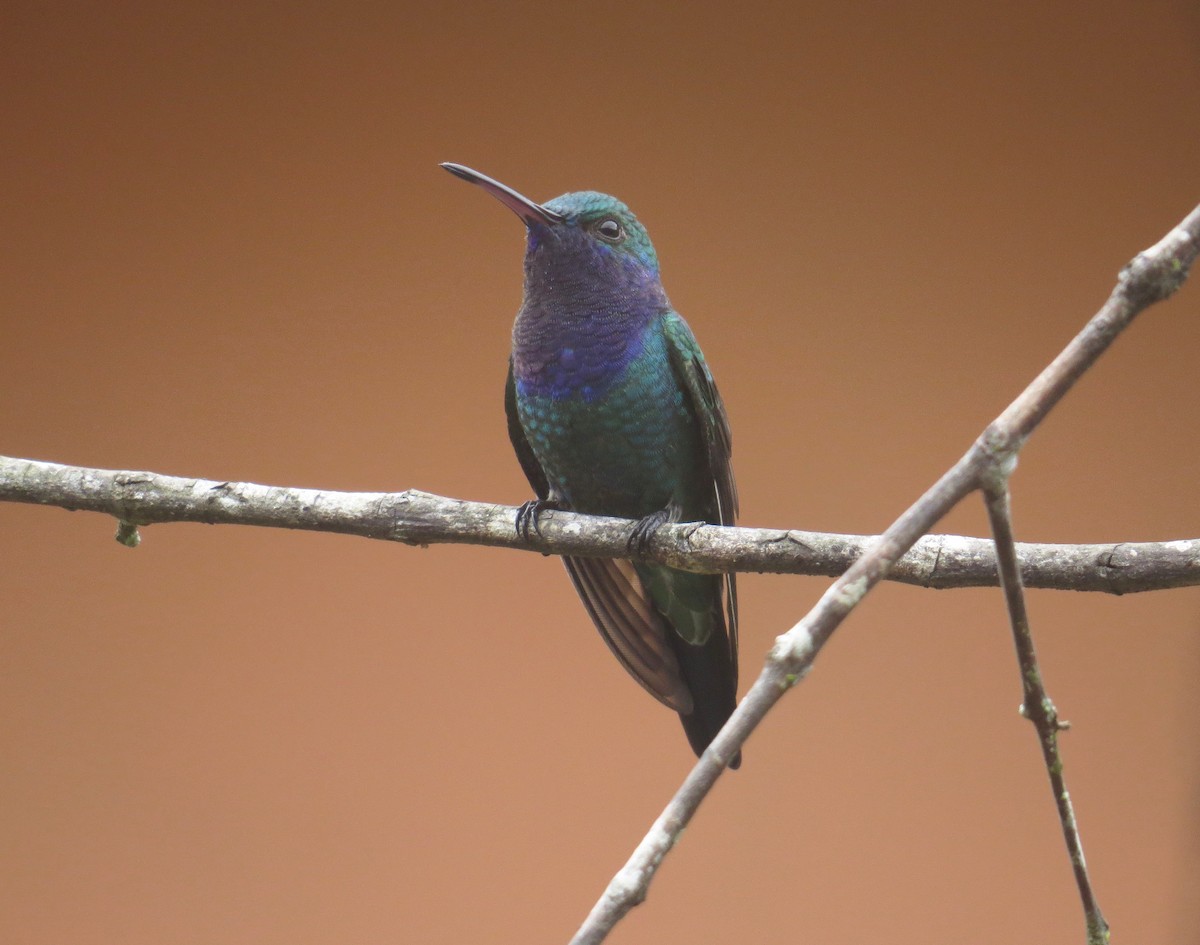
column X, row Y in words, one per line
column 643, row 531
column 527, row 515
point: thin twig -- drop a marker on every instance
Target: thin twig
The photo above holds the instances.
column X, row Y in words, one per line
column 420, row 518
column 1037, row 705
column 1152, row 276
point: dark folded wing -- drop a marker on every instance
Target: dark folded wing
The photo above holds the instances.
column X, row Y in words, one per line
column 697, row 381
column 617, row 602
column 692, row 371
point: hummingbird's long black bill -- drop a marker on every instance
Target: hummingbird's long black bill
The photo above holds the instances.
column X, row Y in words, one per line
column 519, row 204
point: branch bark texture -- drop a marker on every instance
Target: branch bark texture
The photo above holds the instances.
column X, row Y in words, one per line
column 421, row 518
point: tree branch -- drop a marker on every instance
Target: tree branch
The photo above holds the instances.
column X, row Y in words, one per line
column 420, row 518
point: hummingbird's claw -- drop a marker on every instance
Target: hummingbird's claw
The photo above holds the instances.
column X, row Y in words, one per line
column 527, row 516
column 643, row 531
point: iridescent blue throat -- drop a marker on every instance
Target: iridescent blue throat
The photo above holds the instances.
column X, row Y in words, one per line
column 584, row 316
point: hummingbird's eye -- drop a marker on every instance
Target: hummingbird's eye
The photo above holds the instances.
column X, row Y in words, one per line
column 610, row 230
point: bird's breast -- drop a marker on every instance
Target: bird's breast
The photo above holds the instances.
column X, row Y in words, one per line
column 607, row 421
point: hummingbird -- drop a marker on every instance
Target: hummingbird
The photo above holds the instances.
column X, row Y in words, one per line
column 612, row 410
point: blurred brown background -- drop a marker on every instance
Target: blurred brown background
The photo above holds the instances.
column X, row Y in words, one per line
column 228, row 252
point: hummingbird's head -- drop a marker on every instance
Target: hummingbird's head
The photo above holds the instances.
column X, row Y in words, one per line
column 597, row 225
column 583, row 244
